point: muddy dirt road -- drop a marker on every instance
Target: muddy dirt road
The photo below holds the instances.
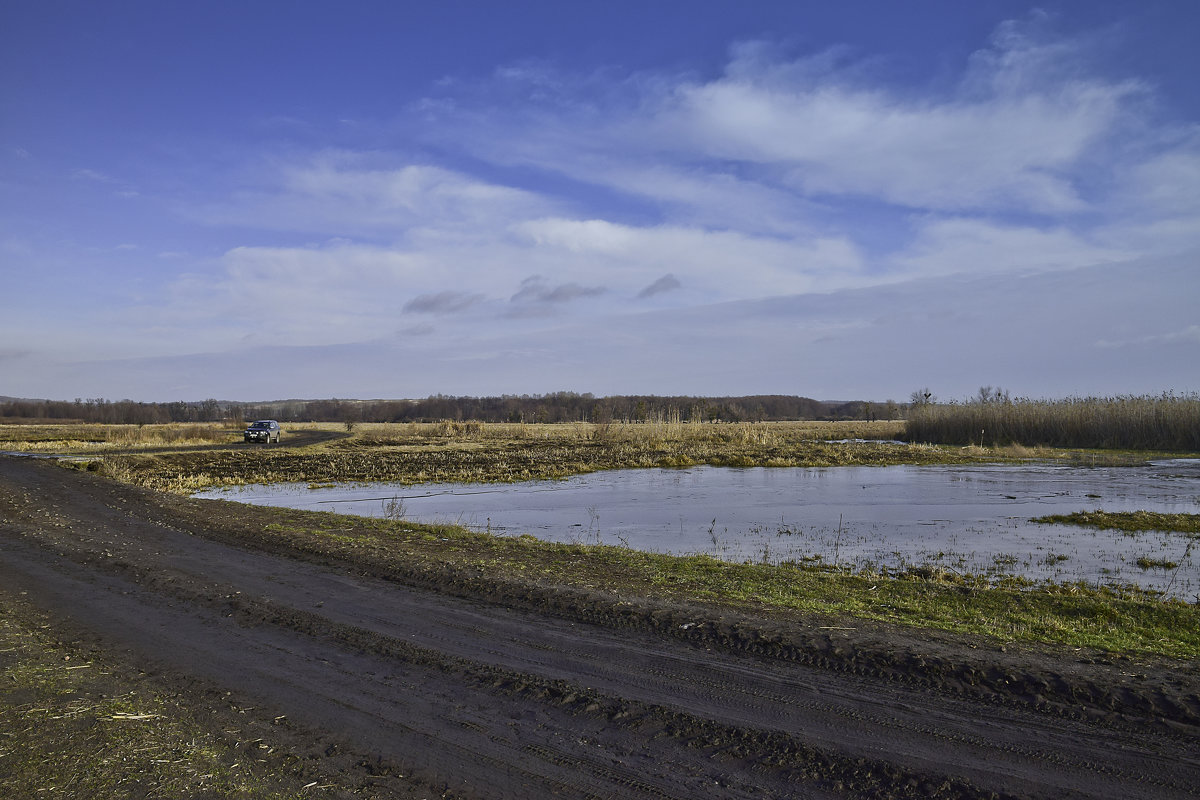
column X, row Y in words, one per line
column 489, row 698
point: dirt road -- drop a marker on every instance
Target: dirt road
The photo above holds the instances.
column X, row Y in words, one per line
column 490, row 698
column 292, row 438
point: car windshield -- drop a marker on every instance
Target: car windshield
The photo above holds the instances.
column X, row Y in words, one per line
column 260, row 425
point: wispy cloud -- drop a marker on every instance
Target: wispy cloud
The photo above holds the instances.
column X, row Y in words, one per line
column 447, row 302
column 817, row 146
column 95, row 176
column 424, row 329
column 666, row 283
column 1189, row 336
column 341, row 193
column 91, row 175
column 1001, row 141
column 535, row 289
column 13, row 353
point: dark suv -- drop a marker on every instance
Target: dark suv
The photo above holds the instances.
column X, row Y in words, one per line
column 264, row 430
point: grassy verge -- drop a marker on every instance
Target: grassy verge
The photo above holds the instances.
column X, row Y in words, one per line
column 1128, row 521
column 1129, row 622
column 72, row 727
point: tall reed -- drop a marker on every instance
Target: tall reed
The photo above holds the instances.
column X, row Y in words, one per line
column 1164, row 422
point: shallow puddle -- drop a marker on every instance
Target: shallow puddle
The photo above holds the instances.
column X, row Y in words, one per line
column 968, row 519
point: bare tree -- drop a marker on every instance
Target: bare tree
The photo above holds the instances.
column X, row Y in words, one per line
column 922, row 397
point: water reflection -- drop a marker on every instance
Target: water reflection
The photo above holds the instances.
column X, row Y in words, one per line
column 970, row 519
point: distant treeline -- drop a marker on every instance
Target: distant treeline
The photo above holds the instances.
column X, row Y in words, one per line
column 556, row 407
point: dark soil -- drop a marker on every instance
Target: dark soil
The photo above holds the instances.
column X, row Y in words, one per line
column 501, row 689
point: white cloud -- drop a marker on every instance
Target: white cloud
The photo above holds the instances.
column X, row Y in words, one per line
column 346, row 291
column 1015, row 134
column 958, row 245
column 1166, row 183
column 767, row 179
column 1013, row 146
column 341, row 194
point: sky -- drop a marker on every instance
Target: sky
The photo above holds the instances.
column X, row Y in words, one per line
column 857, row 200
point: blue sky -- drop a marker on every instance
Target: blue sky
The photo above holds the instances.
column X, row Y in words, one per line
column 266, row 200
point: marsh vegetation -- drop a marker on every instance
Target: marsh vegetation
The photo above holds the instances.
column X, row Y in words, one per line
column 1166, row 422
column 467, row 452
column 1129, row 521
column 509, row 452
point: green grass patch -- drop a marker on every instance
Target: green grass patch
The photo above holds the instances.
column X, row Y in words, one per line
column 1126, row 621
column 1128, row 521
column 1145, row 562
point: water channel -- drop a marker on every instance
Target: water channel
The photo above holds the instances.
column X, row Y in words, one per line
column 972, row 519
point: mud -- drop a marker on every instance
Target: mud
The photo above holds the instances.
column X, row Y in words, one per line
column 485, row 689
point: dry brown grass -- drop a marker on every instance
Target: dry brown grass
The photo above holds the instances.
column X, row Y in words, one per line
column 88, row 438
column 654, row 431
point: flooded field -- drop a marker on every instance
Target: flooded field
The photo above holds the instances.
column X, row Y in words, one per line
column 973, row 519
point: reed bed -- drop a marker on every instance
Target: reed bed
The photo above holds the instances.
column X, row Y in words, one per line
column 1167, row 423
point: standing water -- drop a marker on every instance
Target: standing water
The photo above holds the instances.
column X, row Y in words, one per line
column 972, row 519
